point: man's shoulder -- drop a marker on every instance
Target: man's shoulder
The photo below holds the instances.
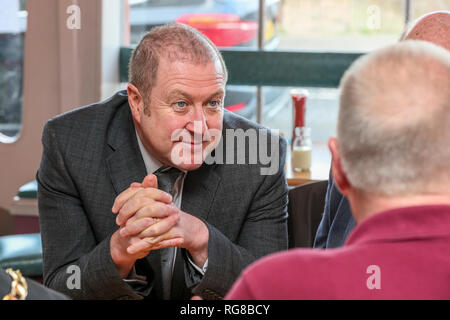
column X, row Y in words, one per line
column 99, row 112
column 305, row 258
column 233, row 122
column 89, row 127
column 297, row 272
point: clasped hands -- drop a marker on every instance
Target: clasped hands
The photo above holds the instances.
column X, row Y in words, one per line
column 149, row 220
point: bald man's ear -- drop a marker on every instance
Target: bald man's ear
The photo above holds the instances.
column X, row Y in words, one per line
column 136, row 102
column 338, row 174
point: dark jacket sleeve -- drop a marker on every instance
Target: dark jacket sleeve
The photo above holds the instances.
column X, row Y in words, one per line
column 320, row 241
column 75, row 263
column 337, row 221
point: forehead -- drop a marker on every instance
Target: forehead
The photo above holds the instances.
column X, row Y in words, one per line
column 187, row 73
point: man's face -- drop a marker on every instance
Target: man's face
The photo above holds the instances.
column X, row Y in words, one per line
column 186, row 106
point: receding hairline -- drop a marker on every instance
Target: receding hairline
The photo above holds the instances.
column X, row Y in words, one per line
column 175, row 42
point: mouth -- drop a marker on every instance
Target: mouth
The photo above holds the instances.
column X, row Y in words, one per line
column 194, row 142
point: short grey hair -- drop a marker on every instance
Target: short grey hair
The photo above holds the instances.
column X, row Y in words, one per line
column 176, row 42
column 394, row 120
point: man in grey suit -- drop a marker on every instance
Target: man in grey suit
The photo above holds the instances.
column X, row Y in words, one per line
column 108, row 232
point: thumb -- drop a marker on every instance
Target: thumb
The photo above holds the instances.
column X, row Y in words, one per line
column 150, row 181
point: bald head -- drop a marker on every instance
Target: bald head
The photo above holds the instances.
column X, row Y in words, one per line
column 394, row 120
column 433, row 27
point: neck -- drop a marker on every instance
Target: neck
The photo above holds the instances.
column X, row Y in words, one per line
column 365, row 205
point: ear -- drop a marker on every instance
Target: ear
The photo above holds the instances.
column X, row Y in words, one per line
column 136, row 102
column 338, row 174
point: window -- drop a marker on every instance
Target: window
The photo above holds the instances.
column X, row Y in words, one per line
column 228, row 23
column 320, row 115
column 343, row 27
column 421, row 7
column 336, row 26
column 13, row 17
column 340, row 25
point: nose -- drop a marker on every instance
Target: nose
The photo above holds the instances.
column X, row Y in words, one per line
column 198, row 122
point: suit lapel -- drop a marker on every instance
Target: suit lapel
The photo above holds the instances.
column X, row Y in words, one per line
column 199, row 190
column 125, row 163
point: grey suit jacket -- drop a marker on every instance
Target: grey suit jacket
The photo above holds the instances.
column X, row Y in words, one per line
column 91, row 155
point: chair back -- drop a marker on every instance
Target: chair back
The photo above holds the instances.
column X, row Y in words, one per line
column 306, row 204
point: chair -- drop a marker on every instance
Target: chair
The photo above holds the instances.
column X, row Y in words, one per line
column 306, row 203
column 22, row 252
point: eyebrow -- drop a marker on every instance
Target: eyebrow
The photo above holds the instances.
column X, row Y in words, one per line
column 177, row 92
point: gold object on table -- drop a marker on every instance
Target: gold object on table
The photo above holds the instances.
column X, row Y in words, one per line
column 19, row 287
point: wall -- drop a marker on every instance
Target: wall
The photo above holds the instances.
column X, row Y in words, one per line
column 63, row 70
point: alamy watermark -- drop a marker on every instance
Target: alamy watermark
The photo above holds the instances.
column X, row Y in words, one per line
column 374, row 17
column 374, row 281
column 237, row 146
column 74, row 280
column 73, row 22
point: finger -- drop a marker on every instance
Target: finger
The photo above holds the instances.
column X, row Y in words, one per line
column 145, row 244
column 133, row 205
column 142, row 198
column 134, row 227
column 123, row 197
column 150, row 181
column 136, row 185
column 156, row 210
column 146, row 217
column 160, row 228
column 175, row 242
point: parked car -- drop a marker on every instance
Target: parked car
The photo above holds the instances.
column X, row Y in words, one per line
column 228, row 24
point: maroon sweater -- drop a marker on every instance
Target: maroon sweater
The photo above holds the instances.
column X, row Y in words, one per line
column 397, row 254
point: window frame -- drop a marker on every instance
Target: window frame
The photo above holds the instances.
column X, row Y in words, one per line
column 260, row 67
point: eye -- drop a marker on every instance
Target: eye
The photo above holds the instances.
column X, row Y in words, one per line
column 181, row 104
column 214, row 104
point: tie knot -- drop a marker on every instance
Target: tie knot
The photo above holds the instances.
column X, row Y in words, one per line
column 167, row 176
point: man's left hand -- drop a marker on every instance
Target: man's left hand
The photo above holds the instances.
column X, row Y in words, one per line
column 192, row 230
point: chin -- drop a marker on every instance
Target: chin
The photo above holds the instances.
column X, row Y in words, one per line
column 188, row 167
column 187, row 157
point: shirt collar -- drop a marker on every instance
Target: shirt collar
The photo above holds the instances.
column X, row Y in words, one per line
column 409, row 223
column 151, row 164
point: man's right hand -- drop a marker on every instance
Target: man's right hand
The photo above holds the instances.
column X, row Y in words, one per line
column 119, row 244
